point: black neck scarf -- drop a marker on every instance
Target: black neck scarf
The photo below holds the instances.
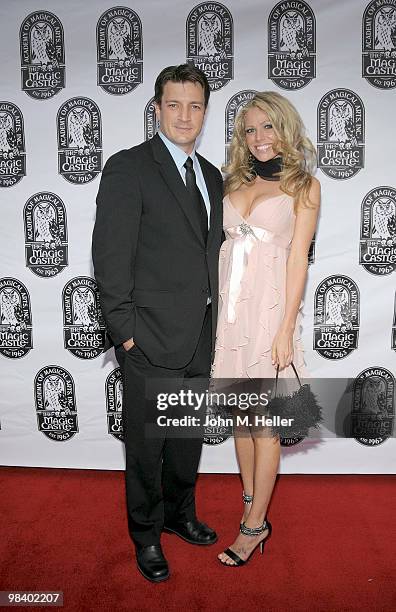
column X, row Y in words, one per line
column 268, row 170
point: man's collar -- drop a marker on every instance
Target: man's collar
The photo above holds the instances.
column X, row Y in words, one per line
column 178, row 154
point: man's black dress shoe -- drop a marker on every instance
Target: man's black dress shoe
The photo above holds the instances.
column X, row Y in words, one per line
column 193, row 532
column 152, row 563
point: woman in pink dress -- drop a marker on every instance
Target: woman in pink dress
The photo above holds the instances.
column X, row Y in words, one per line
column 270, row 214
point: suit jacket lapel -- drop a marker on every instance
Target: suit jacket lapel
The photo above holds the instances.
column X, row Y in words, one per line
column 212, row 191
column 172, row 178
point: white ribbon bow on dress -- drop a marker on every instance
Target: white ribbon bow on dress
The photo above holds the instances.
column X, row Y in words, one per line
column 245, row 237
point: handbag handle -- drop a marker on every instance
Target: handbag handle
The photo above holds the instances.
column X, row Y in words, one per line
column 277, row 373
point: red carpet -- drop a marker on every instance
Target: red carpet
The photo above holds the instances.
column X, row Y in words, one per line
column 332, row 548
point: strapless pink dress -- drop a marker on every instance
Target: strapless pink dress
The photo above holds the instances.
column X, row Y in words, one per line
column 252, row 284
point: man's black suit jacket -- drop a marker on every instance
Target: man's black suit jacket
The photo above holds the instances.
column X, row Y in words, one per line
column 153, row 269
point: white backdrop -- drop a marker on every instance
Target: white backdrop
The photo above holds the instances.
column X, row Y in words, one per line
column 74, row 88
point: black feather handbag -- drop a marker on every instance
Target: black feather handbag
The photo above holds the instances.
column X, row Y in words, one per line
column 301, row 407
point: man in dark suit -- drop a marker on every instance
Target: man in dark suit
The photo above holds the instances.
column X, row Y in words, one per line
column 155, row 251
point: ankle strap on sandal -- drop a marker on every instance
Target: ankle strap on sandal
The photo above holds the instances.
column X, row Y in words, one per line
column 253, row 531
column 247, row 499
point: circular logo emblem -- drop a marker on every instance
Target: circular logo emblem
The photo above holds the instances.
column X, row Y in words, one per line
column 12, row 145
column 340, row 134
column 119, row 43
column 336, row 317
column 46, row 250
column 373, row 406
column 42, row 55
column 83, row 325
column 210, row 42
column 379, row 44
column 55, row 403
column 79, row 140
column 291, row 45
column 15, row 319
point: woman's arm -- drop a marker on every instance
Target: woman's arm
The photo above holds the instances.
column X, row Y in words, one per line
column 296, row 276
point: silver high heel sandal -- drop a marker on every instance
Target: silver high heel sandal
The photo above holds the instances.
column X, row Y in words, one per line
column 249, row 531
column 247, row 499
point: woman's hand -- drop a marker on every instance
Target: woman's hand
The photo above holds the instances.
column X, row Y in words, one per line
column 282, row 349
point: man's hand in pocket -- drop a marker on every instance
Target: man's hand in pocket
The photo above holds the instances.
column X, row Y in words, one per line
column 128, row 344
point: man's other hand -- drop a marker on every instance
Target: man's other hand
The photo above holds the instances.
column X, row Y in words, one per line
column 128, row 344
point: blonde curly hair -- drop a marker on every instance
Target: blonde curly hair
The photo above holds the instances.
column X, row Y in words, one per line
column 298, row 152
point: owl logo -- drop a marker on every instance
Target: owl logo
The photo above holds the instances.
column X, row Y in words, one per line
column 8, row 143
column 379, row 43
column 46, row 228
column 210, row 40
column 341, row 134
column 84, row 309
column 80, row 134
column 373, row 397
column 41, row 35
column 384, row 222
column 373, row 402
column 338, row 312
column 11, row 313
column 336, row 317
column 6, row 126
column 43, row 51
column 55, row 395
column 45, row 225
column 385, row 29
column 42, row 48
column 378, row 230
column 341, row 125
column 120, row 46
column 292, row 37
column 15, row 319
column 83, row 325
